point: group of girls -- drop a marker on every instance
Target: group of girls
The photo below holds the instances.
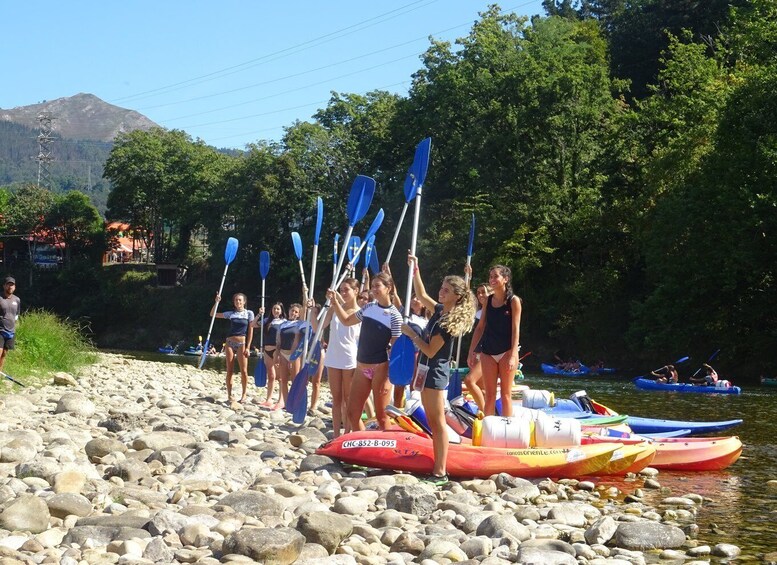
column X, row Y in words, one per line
column 364, row 327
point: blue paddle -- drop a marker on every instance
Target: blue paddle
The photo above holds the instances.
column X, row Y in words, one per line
column 374, row 227
column 374, row 262
column 359, row 200
column 297, row 399
column 352, row 247
column 316, row 238
column 368, row 257
column 712, row 357
column 416, row 175
column 229, row 256
column 402, row 362
column 296, row 242
column 334, row 257
column 260, row 373
column 678, row 362
column 10, row 378
column 454, row 386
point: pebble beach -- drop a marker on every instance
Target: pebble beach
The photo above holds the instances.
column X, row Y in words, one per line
column 143, row 462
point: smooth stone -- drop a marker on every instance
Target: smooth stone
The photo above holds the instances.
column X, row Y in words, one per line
column 65, row 504
column 645, row 535
column 27, row 513
column 325, row 529
column 280, row 546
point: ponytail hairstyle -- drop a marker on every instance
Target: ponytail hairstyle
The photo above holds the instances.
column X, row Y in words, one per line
column 386, row 279
column 458, row 321
column 506, row 273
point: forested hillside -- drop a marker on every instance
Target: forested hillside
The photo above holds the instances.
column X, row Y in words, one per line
column 77, row 164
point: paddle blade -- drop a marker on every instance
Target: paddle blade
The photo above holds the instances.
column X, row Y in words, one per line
column 334, row 255
column 264, row 263
column 231, row 250
column 374, row 262
column 402, row 362
column 353, row 246
column 296, row 241
column 471, row 236
column 681, row 360
column 360, row 198
column 421, row 160
column 454, row 384
column 416, row 174
column 306, row 336
column 260, row 373
column 319, row 219
column 297, row 399
column 376, row 223
column 368, row 250
column 204, row 353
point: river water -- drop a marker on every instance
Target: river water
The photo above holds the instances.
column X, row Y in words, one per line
column 740, row 508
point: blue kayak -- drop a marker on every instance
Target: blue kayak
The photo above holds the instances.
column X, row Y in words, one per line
column 649, row 384
column 166, row 350
column 553, row 370
column 567, row 408
column 656, row 426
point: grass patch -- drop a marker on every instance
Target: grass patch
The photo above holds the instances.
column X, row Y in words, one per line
column 46, row 344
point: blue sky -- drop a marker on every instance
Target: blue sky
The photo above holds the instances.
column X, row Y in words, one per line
column 229, row 72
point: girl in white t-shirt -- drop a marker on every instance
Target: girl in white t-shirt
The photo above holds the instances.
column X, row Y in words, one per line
column 341, row 351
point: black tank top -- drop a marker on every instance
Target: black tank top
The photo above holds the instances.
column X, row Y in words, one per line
column 498, row 334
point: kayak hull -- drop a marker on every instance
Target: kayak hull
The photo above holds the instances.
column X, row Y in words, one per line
column 686, row 454
column 655, row 426
column 403, row 451
column 553, row 370
column 649, row 384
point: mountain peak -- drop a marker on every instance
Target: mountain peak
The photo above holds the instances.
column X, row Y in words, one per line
column 82, row 116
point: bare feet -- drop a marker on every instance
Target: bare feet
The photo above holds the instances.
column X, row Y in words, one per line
column 266, row 404
column 278, row 406
column 242, row 399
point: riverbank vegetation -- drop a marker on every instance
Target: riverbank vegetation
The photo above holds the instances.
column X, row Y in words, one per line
column 46, row 344
column 620, row 157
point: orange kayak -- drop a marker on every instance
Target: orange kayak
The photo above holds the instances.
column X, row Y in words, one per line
column 686, row 454
column 405, row 451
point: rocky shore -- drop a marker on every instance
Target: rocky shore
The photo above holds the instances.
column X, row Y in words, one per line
column 142, row 462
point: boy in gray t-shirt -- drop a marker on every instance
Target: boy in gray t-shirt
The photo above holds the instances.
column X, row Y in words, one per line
column 10, row 305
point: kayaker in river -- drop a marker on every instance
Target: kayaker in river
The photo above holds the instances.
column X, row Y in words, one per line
column 452, row 317
column 666, row 374
column 241, row 331
column 710, row 379
column 498, row 334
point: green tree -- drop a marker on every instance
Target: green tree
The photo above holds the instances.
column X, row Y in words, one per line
column 76, row 222
column 162, row 184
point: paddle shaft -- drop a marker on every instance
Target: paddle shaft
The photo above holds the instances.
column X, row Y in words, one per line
column 413, row 243
column 310, row 297
column 466, row 283
column 396, row 232
column 261, row 325
column 213, row 318
column 10, row 378
column 708, row 361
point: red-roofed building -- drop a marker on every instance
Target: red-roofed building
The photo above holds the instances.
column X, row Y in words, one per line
column 125, row 245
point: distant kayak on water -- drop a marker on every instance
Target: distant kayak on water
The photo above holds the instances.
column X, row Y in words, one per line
column 721, row 387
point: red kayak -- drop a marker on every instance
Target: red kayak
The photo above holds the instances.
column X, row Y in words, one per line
column 404, row 451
